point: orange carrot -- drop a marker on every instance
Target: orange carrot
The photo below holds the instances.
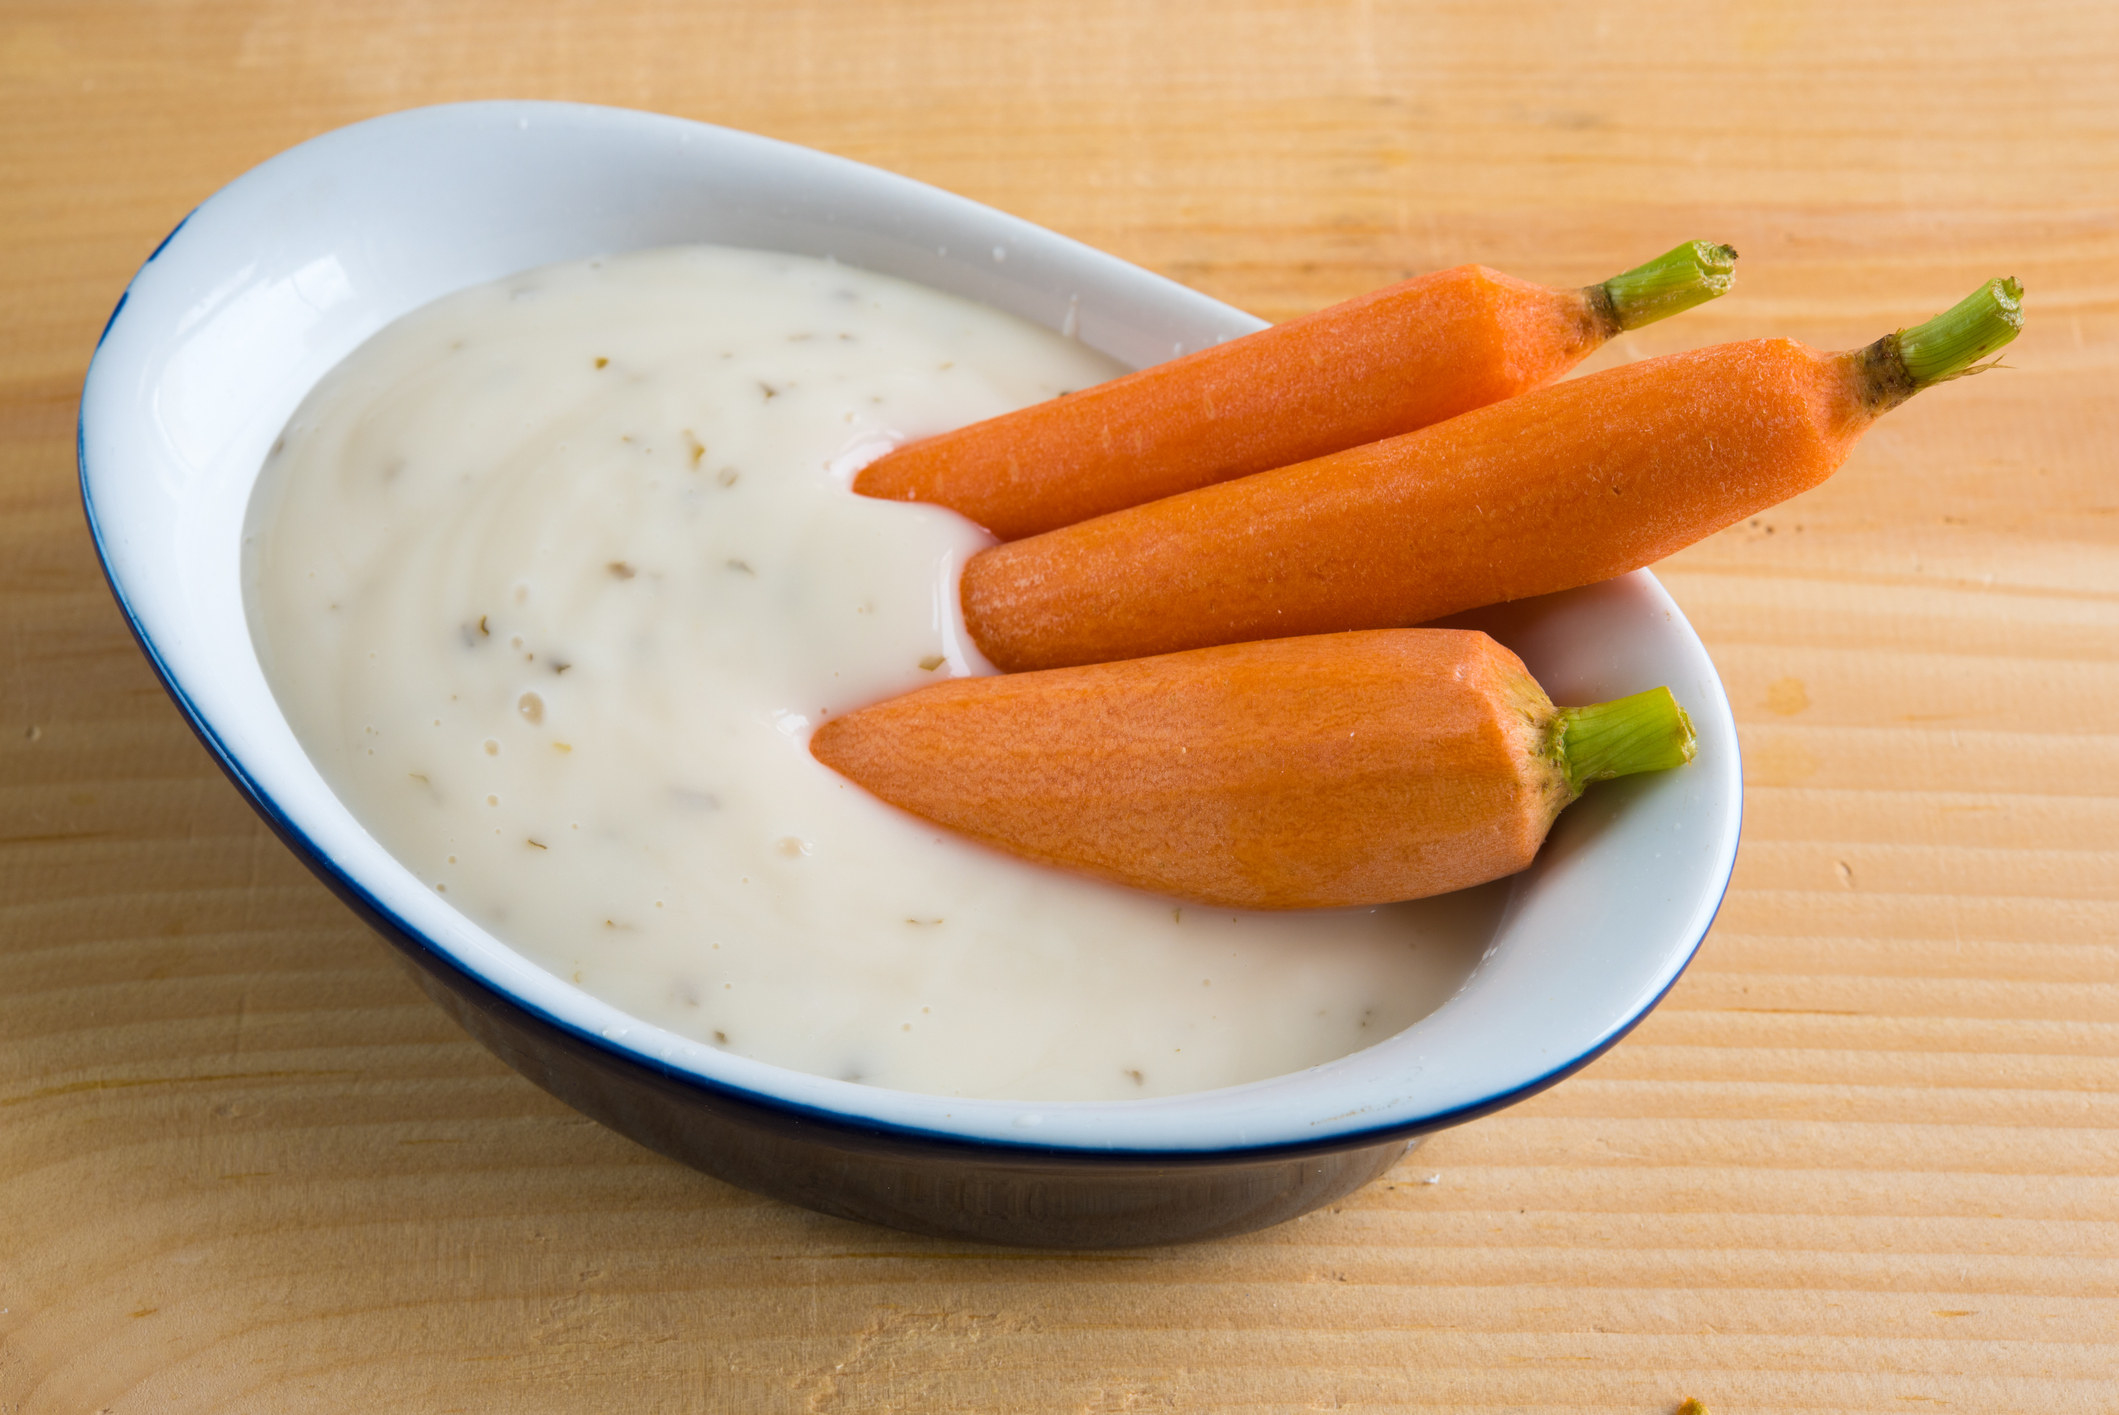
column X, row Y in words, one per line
column 1336, row 770
column 1382, row 364
column 1560, row 487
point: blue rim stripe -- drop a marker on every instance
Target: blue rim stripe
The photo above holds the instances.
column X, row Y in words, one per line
column 163, row 244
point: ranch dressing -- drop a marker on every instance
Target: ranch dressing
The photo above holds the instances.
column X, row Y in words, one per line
column 554, row 577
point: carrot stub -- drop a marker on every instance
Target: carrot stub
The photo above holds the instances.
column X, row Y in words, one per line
column 1382, row 364
column 1561, row 487
column 1337, row 770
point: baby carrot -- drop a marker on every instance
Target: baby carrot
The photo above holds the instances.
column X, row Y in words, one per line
column 1335, row 770
column 1381, row 364
column 1561, row 487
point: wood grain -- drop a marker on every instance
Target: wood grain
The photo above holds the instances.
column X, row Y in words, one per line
column 1862, row 1159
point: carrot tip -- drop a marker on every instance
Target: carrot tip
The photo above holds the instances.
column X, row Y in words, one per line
column 1672, row 283
column 1645, row 732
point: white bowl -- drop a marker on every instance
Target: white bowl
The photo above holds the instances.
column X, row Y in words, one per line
column 279, row 275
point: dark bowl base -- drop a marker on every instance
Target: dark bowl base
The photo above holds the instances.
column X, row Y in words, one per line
column 931, row 1185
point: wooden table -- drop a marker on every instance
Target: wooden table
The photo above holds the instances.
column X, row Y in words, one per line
column 1862, row 1159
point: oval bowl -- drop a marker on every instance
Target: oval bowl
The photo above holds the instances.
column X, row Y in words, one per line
column 283, row 272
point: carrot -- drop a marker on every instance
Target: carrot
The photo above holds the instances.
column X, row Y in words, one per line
column 1561, row 487
column 1384, row 363
column 1336, row 770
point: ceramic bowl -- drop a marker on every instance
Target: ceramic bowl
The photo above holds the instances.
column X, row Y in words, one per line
column 283, row 272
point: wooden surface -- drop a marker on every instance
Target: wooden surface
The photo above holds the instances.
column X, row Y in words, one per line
column 1863, row 1157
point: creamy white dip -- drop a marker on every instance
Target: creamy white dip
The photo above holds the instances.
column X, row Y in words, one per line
column 554, row 577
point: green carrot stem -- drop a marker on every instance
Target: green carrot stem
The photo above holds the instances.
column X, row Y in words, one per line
column 1646, row 732
column 1948, row 346
column 1951, row 344
column 1673, row 282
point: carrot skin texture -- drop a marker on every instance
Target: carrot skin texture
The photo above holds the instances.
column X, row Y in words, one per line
column 1560, row 487
column 1339, row 770
column 1376, row 366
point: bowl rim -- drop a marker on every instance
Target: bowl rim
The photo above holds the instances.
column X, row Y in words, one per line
column 402, row 931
